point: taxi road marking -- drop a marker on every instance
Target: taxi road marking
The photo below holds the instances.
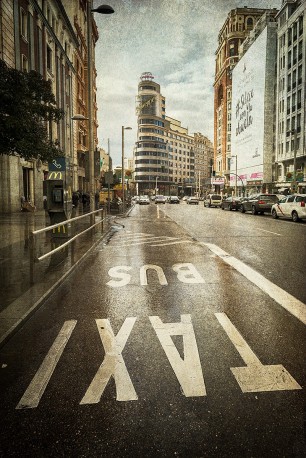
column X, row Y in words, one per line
column 37, row 387
column 286, row 300
column 255, row 376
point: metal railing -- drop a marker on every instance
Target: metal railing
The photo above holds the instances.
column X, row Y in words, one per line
column 34, row 259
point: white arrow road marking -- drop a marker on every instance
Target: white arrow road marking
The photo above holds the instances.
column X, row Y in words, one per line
column 112, row 365
column 188, row 370
column 37, row 387
column 255, row 377
column 286, row 300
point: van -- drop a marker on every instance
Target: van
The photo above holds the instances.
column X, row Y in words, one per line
column 213, row 200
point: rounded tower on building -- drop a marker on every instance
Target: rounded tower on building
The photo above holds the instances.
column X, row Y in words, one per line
column 151, row 158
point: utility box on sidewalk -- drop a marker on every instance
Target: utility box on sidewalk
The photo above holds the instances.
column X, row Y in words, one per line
column 59, row 196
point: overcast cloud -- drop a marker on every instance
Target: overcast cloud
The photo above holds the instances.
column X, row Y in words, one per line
column 176, row 41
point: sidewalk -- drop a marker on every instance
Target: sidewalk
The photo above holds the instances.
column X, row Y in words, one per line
column 18, row 298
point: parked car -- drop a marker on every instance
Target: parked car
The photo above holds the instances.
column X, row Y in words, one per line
column 193, row 200
column 259, row 203
column 160, row 199
column 231, row 203
column 293, row 207
column 144, row 200
column 212, row 200
column 174, row 200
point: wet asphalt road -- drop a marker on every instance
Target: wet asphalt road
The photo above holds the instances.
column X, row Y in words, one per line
column 170, row 319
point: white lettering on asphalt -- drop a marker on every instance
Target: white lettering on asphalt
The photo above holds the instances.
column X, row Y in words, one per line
column 112, row 365
column 255, row 377
column 116, row 273
column 187, row 273
column 286, row 300
column 188, row 370
column 37, row 387
column 160, row 273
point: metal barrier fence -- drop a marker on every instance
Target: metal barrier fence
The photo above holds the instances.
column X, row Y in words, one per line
column 34, row 259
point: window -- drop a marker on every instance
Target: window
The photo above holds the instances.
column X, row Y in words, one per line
column 49, row 58
column 24, row 63
column 23, row 23
column 249, row 23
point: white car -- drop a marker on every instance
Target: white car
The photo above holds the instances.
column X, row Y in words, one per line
column 160, row 199
column 193, row 200
column 144, row 200
column 293, row 207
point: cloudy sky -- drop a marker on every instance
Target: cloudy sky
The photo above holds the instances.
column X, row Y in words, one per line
column 176, row 41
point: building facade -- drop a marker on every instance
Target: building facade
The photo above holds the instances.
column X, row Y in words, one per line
column 164, row 156
column 236, row 28
column 253, row 110
column 49, row 36
column 290, row 167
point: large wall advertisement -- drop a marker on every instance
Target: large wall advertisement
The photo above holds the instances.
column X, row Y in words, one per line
column 247, row 130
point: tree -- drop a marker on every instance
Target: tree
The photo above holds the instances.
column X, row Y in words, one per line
column 27, row 104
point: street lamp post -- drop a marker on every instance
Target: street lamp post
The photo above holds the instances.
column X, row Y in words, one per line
column 156, row 186
column 103, row 9
column 235, row 156
column 294, row 182
column 122, row 167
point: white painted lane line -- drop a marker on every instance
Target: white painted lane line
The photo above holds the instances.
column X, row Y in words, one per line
column 270, row 232
column 173, row 243
column 188, row 370
column 136, row 236
column 286, row 300
column 37, row 387
column 255, row 377
column 144, row 242
column 112, row 365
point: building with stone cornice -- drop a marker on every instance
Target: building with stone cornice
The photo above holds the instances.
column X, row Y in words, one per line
column 238, row 24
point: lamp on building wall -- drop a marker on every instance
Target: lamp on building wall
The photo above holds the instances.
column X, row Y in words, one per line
column 103, row 9
column 122, row 167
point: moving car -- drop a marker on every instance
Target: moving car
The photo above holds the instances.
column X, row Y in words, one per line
column 174, row 200
column 293, row 207
column 212, row 200
column 231, row 203
column 144, row 200
column 160, row 199
column 259, row 203
column 193, row 200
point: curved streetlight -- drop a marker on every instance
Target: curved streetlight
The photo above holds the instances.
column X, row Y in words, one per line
column 103, row 9
column 122, row 167
column 79, row 117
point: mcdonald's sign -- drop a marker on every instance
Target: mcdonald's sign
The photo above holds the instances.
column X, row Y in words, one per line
column 55, row 175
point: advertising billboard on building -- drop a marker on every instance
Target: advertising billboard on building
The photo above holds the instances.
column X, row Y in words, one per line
column 248, row 97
